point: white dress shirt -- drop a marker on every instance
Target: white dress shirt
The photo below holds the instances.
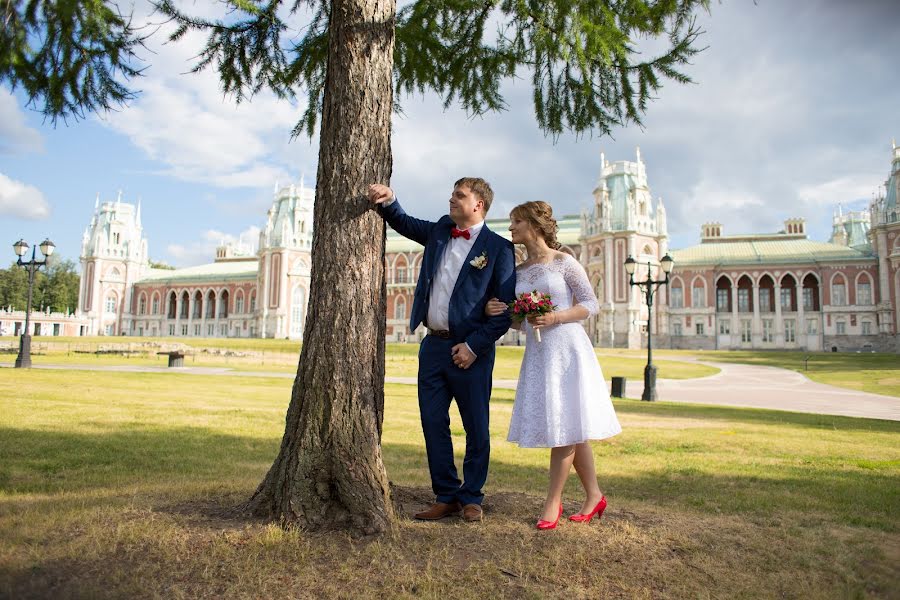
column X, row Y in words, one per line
column 445, row 276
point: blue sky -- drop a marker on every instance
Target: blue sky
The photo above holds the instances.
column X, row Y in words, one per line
column 793, row 111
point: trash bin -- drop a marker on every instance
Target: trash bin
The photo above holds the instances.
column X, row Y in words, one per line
column 618, row 387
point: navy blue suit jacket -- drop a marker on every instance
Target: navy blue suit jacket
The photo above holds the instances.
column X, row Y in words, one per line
column 474, row 287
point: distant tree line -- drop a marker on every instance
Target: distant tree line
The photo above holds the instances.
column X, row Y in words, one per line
column 55, row 287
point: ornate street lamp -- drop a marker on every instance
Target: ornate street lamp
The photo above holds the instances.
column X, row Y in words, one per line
column 32, row 266
column 649, row 287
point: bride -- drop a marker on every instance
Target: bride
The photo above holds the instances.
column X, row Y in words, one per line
column 561, row 399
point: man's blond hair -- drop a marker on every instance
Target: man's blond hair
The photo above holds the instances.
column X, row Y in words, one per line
column 478, row 186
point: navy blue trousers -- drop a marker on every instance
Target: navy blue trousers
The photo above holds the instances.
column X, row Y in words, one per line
column 441, row 382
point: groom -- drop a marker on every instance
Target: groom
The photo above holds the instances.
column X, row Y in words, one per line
column 465, row 264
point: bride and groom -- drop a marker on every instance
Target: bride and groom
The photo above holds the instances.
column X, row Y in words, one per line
column 467, row 278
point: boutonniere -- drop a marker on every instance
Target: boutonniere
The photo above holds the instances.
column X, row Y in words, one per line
column 479, row 262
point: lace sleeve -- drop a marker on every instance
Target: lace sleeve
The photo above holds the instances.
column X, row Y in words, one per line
column 580, row 286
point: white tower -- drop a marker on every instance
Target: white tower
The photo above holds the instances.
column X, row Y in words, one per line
column 113, row 258
column 623, row 223
column 284, row 263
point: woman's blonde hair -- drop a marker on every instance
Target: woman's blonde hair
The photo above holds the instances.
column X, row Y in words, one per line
column 540, row 215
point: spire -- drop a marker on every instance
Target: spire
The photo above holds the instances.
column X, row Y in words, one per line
column 275, row 191
column 97, row 203
column 638, row 152
column 137, row 217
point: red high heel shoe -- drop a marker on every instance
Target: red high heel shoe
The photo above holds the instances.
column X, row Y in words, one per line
column 543, row 525
column 598, row 510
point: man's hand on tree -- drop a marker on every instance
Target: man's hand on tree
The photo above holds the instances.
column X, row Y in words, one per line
column 379, row 194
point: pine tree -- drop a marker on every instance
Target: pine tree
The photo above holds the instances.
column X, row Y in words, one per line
column 587, row 76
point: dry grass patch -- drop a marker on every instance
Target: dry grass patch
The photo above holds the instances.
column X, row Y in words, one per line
column 120, row 485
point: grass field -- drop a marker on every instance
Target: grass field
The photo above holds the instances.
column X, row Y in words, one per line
column 282, row 356
column 116, row 485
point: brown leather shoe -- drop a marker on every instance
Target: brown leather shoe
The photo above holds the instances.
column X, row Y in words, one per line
column 472, row 513
column 438, row 510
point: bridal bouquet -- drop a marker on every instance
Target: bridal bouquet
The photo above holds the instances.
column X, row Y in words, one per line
column 529, row 304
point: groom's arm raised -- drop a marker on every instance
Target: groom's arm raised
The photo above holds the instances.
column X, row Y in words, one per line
column 503, row 287
column 387, row 206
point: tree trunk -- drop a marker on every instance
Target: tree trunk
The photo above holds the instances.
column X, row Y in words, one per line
column 329, row 471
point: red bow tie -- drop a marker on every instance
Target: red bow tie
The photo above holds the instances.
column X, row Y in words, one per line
column 455, row 233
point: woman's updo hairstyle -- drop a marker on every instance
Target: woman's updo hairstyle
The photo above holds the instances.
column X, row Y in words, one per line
column 540, row 215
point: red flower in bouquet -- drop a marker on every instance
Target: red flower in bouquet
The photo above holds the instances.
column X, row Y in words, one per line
column 529, row 304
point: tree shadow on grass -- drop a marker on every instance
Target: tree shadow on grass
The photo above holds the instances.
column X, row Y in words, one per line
column 174, row 463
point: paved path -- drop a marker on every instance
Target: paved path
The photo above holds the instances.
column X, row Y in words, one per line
column 736, row 385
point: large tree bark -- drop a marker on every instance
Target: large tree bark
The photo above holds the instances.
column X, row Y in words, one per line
column 329, row 470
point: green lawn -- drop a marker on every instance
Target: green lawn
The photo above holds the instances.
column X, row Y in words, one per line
column 115, row 485
column 281, row 356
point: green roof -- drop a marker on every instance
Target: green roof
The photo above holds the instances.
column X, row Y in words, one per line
column 766, row 252
column 219, row 272
column 569, row 232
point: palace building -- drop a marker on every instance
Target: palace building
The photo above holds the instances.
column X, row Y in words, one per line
column 777, row 290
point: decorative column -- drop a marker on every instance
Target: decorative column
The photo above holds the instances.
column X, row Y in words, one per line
column 802, row 339
column 756, row 328
column 735, row 318
column 779, row 325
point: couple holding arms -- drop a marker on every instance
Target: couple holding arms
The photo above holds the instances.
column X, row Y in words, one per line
column 468, row 277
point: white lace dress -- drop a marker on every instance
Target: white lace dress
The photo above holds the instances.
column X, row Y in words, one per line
column 562, row 397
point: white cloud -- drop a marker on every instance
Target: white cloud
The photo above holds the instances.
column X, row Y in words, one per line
column 203, row 250
column 182, row 120
column 21, row 200
column 16, row 137
column 839, row 190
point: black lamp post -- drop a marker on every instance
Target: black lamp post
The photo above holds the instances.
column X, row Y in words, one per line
column 649, row 287
column 32, row 266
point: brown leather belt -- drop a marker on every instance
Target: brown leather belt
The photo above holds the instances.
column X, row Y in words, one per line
column 441, row 333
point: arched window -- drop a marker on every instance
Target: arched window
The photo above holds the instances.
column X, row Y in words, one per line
column 400, row 308
column 400, row 269
column 810, row 293
column 142, row 304
column 788, row 293
column 298, row 307
column 211, row 305
column 253, row 301
column 838, row 290
column 154, row 304
column 723, row 295
column 676, row 293
column 223, row 304
column 863, row 290
column 185, row 305
column 173, row 306
column 239, row 302
column 766, row 294
column 745, row 294
column 111, row 304
column 198, row 304
column 698, row 293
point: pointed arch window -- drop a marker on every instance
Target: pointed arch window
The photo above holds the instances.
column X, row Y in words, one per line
column 400, row 308
column 864, row 291
column 838, row 291
column 298, row 307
